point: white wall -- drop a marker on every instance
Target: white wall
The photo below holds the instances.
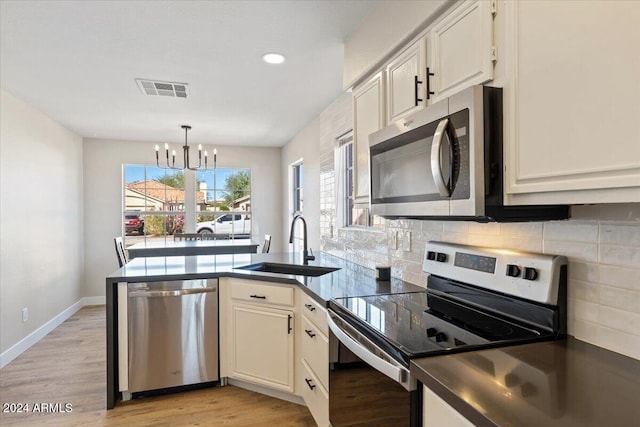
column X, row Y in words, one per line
column 305, row 145
column 41, row 221
column 103, row 160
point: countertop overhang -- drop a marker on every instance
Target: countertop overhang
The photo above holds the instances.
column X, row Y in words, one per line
column 349, row 280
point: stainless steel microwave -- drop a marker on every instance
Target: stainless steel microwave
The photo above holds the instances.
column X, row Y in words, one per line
column 445, row 162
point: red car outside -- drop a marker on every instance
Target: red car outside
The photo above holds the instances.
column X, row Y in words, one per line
column 133, row 223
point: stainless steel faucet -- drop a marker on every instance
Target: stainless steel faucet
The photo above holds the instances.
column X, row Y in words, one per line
column 305, row 253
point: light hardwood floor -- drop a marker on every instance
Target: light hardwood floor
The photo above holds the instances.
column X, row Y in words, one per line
column 68, row 367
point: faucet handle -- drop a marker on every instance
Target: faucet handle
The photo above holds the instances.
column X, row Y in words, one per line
column 312, row 256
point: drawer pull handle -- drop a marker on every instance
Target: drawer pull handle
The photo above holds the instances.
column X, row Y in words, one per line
column 310, row 307
column 310, row 383
column 258, row 296
column 310, row 333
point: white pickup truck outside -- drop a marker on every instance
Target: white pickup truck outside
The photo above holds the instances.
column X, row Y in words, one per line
column 236, row 224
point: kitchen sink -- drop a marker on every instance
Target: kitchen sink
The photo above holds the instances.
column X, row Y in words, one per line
column 294, row 269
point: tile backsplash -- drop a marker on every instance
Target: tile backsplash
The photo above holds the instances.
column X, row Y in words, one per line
column 602, row 243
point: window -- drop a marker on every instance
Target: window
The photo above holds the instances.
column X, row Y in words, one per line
column 297, row 202
column 154, row 203
column 349, row 213
column 155, row 207
column 223, row 202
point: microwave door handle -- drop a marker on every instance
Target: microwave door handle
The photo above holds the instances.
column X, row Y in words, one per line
column 436, row 162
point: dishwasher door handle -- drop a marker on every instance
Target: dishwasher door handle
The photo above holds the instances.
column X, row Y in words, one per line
column 176, row 293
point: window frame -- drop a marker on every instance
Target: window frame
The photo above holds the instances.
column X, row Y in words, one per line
column 174, row 209
column 186, row 208
column 217, row 214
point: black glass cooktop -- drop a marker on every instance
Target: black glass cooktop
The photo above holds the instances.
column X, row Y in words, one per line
column 420, row 324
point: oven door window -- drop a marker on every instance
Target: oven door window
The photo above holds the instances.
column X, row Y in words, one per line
column 401, row 168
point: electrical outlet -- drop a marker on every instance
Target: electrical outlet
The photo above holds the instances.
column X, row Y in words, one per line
column 393, row 240
column 25, row 314
column 406, row 241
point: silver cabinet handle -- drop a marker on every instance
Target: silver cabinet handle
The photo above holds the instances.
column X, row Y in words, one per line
column 436, row 163
column 178, row 293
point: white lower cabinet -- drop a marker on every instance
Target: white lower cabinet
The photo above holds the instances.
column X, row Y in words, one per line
column 262, row 346
column 313, row 378
column 437, row 413
column 260, row 333
column 315, row 395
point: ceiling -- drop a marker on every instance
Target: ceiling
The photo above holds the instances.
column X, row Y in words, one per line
column 77, row 61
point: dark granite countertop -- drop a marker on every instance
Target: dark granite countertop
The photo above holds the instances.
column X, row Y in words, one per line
column 350, row 280
column 563, row 383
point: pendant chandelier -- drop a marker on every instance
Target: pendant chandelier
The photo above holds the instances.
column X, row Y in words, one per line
column 185, row 153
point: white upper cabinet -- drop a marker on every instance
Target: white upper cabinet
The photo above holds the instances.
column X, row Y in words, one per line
column 461, row 50
column 406, row 82
column 368, row 117
column 572, row 102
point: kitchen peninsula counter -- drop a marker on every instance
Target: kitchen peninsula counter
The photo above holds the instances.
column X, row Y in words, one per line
column 565, row 383
column 348, row 280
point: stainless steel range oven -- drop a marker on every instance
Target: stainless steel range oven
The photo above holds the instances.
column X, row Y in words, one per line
column 475, row 298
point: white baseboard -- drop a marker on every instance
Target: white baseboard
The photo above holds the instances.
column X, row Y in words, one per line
column 35, row 336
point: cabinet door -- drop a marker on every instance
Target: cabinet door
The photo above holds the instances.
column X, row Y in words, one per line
column 406, row 83
column 262, row 346
column 436, row 412
column 461, row 49
column 368, row 117
column 573, row 111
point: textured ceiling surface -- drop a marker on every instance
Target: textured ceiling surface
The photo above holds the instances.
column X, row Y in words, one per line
column 77, row 61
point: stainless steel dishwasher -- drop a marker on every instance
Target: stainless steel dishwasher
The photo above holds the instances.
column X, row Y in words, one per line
column 173, row 334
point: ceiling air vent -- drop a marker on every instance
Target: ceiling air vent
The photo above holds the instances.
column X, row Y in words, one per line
column 157, row 88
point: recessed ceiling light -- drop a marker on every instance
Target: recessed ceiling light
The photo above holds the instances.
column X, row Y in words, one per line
column 273, row 58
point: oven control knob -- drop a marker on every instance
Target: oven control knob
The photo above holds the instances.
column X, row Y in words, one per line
column 431, row 255
column 528, row 390
column 511, row 380
column 431, row 332
column 530, row 273
column 440, row 336
column 513, row 270
column 440, row 257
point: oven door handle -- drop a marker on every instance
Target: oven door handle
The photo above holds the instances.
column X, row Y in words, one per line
column 345, row 334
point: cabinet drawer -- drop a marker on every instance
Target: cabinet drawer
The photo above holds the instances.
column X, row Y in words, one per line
column 314, row 312
column 259, row 292
column 315, row 350
column 315, row 396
